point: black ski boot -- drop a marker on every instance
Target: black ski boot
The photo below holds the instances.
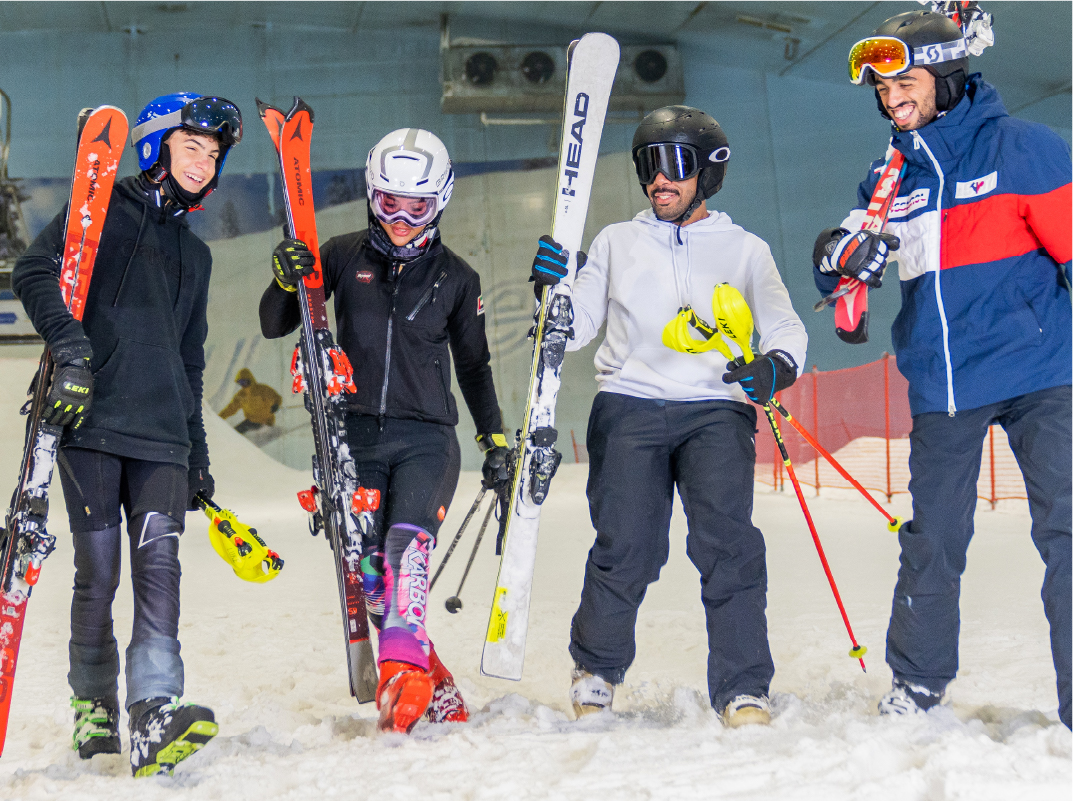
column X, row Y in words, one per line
column 165, row 731
column 96, row 726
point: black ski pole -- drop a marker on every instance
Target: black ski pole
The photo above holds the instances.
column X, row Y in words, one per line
column 454, row 603
column 458, row 536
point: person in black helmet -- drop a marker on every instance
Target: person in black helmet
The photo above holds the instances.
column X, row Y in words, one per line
column 138, row 448
column 665, row 418
column 983, row 335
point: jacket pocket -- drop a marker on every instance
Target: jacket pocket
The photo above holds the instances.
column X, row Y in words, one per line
column 443, row 385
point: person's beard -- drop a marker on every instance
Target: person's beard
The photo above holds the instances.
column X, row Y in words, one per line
column 673, row 212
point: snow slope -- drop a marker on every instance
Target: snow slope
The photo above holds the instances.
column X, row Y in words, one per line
column 268, row 659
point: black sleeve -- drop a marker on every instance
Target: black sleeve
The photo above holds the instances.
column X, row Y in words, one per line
column 469, row 348
column 192, row 349
column 36, row 282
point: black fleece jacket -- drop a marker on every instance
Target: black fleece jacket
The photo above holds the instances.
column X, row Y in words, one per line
column 429, row 304
column 144, row 325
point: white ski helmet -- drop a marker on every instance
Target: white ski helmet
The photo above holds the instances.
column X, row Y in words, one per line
column 409, row 163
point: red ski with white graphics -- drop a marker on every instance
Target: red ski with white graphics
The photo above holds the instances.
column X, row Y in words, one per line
column 336, row 504
column 24, row 542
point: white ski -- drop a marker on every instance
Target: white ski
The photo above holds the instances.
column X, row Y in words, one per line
column 593, row 62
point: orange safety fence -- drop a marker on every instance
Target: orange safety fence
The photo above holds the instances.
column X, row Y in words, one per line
column 861, row 416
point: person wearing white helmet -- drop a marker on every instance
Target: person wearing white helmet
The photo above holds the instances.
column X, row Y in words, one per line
column 405, row 305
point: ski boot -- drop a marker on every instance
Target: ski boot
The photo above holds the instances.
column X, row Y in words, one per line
column 447, row 705
column 164, row 732
column 96, row 727
column 908, row 699
column 403, row 696
column 589, row 693
column 747, row 710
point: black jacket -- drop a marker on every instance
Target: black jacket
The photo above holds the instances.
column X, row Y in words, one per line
column 145, row 319
column 432, row 302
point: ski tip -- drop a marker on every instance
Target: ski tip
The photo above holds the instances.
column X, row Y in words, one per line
column 298, row 107
column 857, row 336
column 264, row 108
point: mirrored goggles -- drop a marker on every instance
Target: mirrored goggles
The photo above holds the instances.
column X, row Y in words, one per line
column 206, row 114
column 415, row 210
column 888, row 57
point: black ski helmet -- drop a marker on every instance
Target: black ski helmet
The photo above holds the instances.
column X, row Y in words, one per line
column 920, row 29
column 684, row 125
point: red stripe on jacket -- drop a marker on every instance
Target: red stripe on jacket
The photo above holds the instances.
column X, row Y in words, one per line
column 1005, row 226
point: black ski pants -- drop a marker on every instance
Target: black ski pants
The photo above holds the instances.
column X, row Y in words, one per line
column 944, row 462
column 639, row 450
column 153, row 498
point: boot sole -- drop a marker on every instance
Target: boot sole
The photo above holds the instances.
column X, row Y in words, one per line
column 580, row 710
column 185, row 745
column 747, row 716
column 100, row 744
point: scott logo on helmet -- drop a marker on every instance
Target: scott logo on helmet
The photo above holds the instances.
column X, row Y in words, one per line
column 573, row 149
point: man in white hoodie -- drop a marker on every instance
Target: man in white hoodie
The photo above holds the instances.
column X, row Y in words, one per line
column 663, row 418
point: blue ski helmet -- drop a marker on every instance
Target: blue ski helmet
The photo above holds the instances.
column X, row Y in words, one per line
column 193, row 112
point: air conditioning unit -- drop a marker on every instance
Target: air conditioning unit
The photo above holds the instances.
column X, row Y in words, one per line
column 518, row 79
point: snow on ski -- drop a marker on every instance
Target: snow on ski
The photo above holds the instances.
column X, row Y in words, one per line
column 323, row 372
column 24, row 542
column 593, row 62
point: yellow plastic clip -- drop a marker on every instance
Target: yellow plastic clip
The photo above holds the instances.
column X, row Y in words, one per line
column 239, row 545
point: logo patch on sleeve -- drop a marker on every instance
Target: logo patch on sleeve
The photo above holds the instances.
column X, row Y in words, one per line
column 977, row 187
column 480, row 305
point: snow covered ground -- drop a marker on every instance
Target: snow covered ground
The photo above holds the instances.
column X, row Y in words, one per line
column 269, row 660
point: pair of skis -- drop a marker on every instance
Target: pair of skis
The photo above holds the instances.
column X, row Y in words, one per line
column 25, row 542
column 592, row 65
column 336, row 504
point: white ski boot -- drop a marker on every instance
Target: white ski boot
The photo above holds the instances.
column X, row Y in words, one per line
column 908, row 699
column 589, row 693
column 747, row 710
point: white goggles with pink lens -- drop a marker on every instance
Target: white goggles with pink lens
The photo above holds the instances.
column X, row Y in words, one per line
column 415, row 210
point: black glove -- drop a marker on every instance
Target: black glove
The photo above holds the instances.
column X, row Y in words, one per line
column 862, row 255
column 70, row 395
column 763, row 376
column 200, row 483
column 549, row 266
column 496, row 469
column 292, row 261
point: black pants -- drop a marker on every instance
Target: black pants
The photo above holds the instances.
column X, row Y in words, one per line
column 922, row 641
column 153, row 498
column 639, row 450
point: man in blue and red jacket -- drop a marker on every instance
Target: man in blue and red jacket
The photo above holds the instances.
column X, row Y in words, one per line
column 982, row 226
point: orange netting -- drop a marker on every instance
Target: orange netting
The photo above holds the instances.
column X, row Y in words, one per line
column 861, row 416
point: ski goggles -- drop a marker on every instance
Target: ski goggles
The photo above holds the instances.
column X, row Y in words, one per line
column 415, row 210
column 677, row 162
column 888, row 57
column 206, row 114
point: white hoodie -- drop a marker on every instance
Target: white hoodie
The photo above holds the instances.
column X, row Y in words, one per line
column 638, row 276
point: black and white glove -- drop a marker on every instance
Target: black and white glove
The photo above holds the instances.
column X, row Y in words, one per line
column 292, row 260
column 862, row 255
column 765, row 375
column 496, row 470
column 550, row 265
column 200, row 482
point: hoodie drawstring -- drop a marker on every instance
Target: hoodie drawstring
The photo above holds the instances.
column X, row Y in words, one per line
column 137, row 241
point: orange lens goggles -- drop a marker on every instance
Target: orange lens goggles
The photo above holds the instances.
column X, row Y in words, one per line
column 884, row 55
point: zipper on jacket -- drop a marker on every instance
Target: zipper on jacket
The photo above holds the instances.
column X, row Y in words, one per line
column 387, row 354
column 430, row 294
column 443, row 383
column 918, row 142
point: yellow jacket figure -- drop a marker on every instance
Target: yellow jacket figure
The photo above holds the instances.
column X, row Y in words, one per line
column 258, row 402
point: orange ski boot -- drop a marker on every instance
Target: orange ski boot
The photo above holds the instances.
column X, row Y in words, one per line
column 447, row 705
column 402, row 697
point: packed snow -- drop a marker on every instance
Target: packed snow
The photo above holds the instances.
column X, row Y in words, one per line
column 268, row 658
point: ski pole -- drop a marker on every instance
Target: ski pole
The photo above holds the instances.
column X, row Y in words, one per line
column 469, row 516
column 893, row 523
column 734, row 319
column 454, row 603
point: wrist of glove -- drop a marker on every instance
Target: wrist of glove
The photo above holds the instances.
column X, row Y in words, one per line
column 496, row 468
column 70, row 395
column 765, row 375
column 551, row 264
column 862, row 255
column 199, row 482
column 292, row 260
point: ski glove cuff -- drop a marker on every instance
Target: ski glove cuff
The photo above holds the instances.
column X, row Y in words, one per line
column 71, row 351
column 70, row 395
column 765, row 375
column 292, row 260
column 862, row 255
column 201, row 483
